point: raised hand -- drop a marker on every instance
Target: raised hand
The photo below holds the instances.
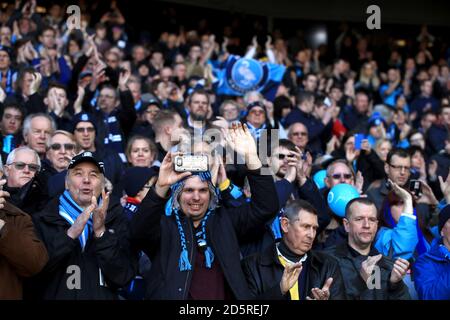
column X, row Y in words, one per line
column 99, row 214
column 269, row 42
column 405, row 196
column 123, row 79
column 167, row 175
column 290, row 276
column 240, row 140
column 445, row 187
column 359, row 182
column 321, row 294
column 78, row 226
column 35, row 83
column 401, row 266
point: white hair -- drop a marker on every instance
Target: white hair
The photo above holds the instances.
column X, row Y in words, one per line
column 27, row 122
column 12, row 156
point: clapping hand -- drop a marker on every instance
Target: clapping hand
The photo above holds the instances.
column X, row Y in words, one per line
column 399, row 270
column 240, row 140
column 290, row 276
column 321, row 294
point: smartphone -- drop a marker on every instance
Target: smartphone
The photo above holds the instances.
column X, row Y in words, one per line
column 359, row 137
column 191, row 163
column 415, row 186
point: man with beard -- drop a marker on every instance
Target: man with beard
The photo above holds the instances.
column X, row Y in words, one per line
column 198, row 107
column 358, row 258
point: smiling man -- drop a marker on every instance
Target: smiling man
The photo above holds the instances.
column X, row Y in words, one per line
column 86, row 237
column 194, row 243
column 367, row 274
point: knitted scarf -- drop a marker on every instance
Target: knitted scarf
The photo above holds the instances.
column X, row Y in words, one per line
column 173, row 208
column 70, row 210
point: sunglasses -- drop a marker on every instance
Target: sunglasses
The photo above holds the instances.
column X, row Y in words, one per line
column 81, row 130
column 283, row 156
column 21, row 165
column 67, row 146
column 339, row 176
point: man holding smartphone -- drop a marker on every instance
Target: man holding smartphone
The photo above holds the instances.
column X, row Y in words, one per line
column 193, row 243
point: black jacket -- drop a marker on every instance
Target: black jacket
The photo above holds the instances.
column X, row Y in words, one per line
column 264, row 272
column 157, row 235
column 105, row 265
column 356, row 288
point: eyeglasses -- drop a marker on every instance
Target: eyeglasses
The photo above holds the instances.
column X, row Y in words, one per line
column 21, row 165
column 346, row 176
column 67, row 146
column 256, row 112
column 399, row 168
column 282, row 156
column 300, row 133
column 81, row 130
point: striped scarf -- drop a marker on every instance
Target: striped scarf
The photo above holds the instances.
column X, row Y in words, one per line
column 173, row 208
column 70, row 210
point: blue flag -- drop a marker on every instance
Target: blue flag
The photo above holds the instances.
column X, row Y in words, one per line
column 237, row 76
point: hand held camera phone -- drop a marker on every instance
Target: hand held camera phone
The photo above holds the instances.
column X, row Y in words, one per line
column 191, row 163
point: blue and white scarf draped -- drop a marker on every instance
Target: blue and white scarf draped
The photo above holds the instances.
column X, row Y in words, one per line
column 70, row 210
column 173, row 208
column 256, row 132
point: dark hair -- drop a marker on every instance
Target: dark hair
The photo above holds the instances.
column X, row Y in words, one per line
column 54, row 84
column 280, row 103
column 12, row 105
column 198, row 91
column 293, row 208
column 414, row 149
column 402, row 153
column 361, row 200
column 303, row 96
column 285, row 143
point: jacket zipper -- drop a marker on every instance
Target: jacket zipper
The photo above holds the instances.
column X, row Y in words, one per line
column 190, row 259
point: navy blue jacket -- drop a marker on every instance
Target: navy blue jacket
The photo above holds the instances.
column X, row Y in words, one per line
column 157, row 235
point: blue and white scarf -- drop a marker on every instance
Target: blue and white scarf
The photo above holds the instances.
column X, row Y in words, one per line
column 70, row 210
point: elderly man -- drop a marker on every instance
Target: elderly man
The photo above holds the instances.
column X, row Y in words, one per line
column 37, row 129
column 194, row 247
column 367, row 274
column 28, row 190
column 87, row 238
column 61, row 148
column 289, row 269
column 298, row 134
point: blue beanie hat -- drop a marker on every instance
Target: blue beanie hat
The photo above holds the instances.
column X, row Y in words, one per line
column 173, row 207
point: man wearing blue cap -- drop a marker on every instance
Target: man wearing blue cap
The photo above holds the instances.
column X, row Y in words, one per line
column 194, row 247
column 86, row 236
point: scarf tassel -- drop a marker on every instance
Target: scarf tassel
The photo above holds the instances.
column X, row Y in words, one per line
column 184, row 263
column 209, row 257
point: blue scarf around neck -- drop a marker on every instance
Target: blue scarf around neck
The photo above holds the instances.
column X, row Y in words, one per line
column 70, row 210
